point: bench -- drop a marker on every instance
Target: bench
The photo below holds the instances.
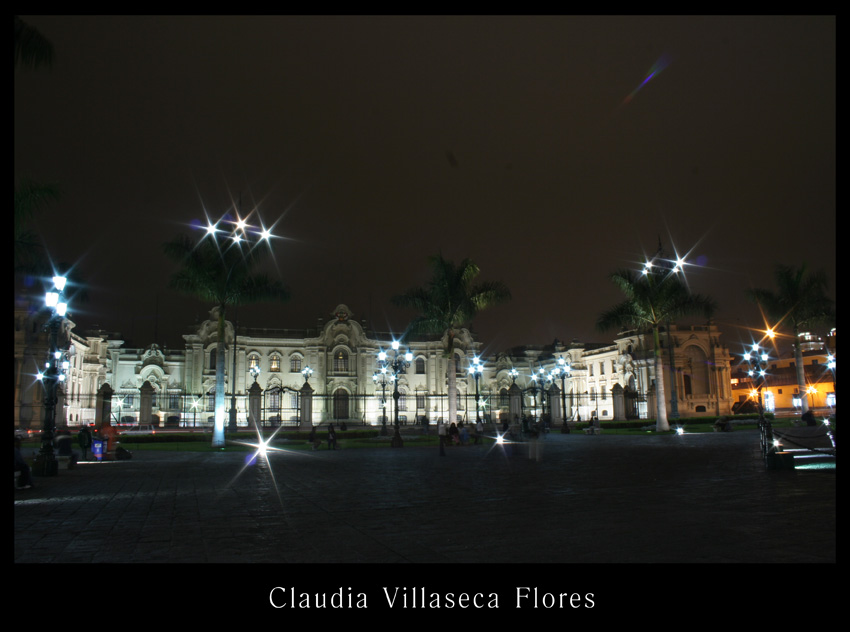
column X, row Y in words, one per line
column 801, row 446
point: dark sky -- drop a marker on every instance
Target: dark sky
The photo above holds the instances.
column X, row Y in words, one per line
column 373, row 142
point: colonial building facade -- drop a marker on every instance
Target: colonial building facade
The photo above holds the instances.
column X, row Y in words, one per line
column 339, row 360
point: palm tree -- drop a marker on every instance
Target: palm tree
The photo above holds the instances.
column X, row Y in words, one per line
column 799, row 303
column 653, row 299
column 446, row 304
column 222, row 274
column 32, row 49
column 30, row 197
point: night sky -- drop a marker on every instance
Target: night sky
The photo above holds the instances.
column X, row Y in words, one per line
column 532, row 145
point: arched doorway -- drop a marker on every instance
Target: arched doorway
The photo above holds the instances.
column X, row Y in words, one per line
column 341, row 404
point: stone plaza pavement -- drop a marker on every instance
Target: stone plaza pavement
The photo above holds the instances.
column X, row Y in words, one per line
column 694, row 498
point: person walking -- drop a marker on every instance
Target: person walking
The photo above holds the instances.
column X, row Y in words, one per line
column 331, row 438
column 454, row 433
column 84, row 438
column 479, row 432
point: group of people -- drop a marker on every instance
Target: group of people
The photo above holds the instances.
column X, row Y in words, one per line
column 458, row 434
column 316, row 442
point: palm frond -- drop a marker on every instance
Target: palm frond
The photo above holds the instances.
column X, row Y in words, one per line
column 32, row 49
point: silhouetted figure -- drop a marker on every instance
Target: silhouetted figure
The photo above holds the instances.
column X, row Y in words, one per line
column 84, row 438
column 25, row 479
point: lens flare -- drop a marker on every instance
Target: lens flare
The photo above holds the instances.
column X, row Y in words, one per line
column 657, row 67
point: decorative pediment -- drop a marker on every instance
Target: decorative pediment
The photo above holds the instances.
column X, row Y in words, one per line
column 153, row 355
column 342, row 313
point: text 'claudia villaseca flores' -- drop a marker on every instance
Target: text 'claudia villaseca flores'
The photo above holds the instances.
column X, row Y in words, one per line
column 401, row 598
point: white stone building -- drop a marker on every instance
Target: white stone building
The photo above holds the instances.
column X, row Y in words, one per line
column 608, row 381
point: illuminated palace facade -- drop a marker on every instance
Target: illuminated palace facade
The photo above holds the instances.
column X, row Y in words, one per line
column 609, row 381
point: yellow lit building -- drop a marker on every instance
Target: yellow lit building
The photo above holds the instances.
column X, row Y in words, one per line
column 781, row 393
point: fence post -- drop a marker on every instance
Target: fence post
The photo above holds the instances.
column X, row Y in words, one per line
column 306, row 421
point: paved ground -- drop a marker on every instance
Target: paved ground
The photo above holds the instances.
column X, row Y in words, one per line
column 608, row 498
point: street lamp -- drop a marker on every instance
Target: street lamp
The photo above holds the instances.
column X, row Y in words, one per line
column 381, row 378
column 195, row 410
column 397, row 364
column 673, row 266
column 562, row 370
column 475, row 370
column 46, row 464
column 812, row 391
column 757, row 361
column 542, row 377
column 307, row 372
column 245, row 238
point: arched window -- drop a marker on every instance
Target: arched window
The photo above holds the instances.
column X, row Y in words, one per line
column 274, row 363
column 458, row 365
column 504, row 400
column 213, row 356
column 253, row 361
column 295, row 364
column 341, row 361
column 420, row 366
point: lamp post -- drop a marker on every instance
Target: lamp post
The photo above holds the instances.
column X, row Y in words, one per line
column 245, row 238
column 673, row 266
column 812, row 391
column 757, row 360
column 232, row 425
column 380, row 378
column 397, row 364
column 542, row 378
column 119, row 404
column 194, row 411
column 562, row 370
column 45, row 463
column 475, row 371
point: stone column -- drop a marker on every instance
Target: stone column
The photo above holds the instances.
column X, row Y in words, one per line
column 103, row 405
column 554, row 404
column 146, row 403
column 619, row 397
column 515, row 401
column 255, row 395
column 306, row 407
